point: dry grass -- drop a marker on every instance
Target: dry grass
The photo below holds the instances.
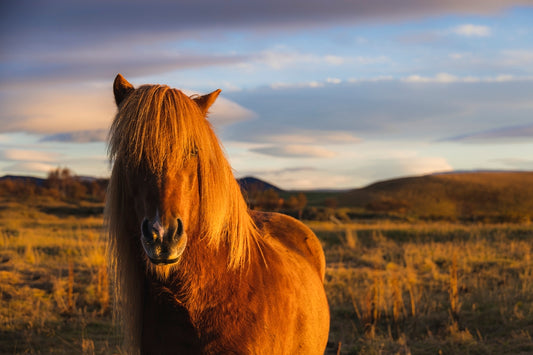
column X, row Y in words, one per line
column 429, row 288
column 53, row 283
column 393, row 288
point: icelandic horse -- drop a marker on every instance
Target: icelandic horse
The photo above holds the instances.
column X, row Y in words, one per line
column 196, row 271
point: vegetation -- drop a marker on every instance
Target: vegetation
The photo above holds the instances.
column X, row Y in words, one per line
column 53, row 279
column 482, row 196
column 492, row 197
column 397, row 282
column 61, row 184
column 429, row 288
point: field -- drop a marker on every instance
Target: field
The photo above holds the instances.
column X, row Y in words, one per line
column 429, row 288
column 53, row 280
column 393, row 287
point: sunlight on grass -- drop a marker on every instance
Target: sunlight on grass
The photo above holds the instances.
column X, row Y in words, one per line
column 53, row 283
column 429, row 287
column 393, row 287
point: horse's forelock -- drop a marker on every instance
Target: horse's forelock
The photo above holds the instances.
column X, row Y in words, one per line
column 155, row 125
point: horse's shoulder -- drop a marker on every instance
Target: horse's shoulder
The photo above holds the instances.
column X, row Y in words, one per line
column 293, row 234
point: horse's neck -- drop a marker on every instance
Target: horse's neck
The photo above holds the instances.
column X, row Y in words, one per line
column 206, row 278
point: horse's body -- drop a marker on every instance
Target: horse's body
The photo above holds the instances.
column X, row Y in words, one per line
column 197, row 273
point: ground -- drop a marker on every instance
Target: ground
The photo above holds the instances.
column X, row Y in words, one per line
column 394, row 287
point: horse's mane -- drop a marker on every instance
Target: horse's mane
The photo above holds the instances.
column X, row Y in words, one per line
column 157, row 128
column 161, row 127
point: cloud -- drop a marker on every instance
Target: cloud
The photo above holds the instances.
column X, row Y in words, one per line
column 283, row 57
column 439, row 78
column 501, row 134
column 66, row 40
column 521, row 58
column 102, row 62
column 446, row 78
column 98, row 135
column 333, row 80
column 57, row 109
column 96, row 21
column 82, row 113
column 306, row 136
column 334, row 60
column 28, row 155
column 310, row 84
column 29, row 168
column 225, row 112
column 405, row 110
column 370, row 60
column 296, row 151
column 470, row 30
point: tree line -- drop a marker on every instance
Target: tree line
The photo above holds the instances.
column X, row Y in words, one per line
column 270, row 200
column 61, row 183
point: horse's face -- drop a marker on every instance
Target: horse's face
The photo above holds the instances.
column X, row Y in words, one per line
column 165, row 196
column 166, row 208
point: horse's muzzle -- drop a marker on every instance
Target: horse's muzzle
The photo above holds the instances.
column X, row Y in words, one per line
column 163, row 244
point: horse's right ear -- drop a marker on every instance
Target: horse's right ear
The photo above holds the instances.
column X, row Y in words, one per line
column 205, row 102
column 121, row 88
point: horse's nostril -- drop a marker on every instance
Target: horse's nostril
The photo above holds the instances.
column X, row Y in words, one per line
column 179, row 228
column 146, row 230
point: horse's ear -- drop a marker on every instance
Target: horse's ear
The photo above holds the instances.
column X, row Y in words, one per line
column 121, row 88
column 205, row 102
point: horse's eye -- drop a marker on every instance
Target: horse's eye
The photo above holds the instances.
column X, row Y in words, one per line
column 194, row 152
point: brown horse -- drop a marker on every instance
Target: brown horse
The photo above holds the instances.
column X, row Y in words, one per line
column 196, row 272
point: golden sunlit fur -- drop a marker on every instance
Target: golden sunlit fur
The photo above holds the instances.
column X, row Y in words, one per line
column 244, row 281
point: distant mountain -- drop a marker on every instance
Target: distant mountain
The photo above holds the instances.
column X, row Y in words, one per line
column 468, row 195
column 36, row 181
column 247, row 183
column 250, row 183
column 40, row 181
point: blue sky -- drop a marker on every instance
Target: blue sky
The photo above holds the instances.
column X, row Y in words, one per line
column 316, row 94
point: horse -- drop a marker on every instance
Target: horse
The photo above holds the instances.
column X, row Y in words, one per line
column 195, row 270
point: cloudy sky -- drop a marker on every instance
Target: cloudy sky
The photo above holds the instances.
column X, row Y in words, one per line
column 316, row 94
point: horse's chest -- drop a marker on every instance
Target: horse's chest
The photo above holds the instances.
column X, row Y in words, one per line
column 167, row 329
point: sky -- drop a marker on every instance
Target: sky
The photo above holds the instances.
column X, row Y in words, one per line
column 315, row 94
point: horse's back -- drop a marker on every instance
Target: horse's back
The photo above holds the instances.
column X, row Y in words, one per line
column 294, row 267
column 294, row 235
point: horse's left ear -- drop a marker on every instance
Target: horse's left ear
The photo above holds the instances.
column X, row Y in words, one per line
column 205, row 102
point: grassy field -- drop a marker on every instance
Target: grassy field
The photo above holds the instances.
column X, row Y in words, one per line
column 429, row 288
column 393, row 287
column 53, row 280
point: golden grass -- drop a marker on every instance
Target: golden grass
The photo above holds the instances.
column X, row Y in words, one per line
column 53, row 282
column 429, row 287
column 393, row 288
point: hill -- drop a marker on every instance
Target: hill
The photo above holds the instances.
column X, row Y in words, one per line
column 24, row 179
column 505, row 196
column 250, row 183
